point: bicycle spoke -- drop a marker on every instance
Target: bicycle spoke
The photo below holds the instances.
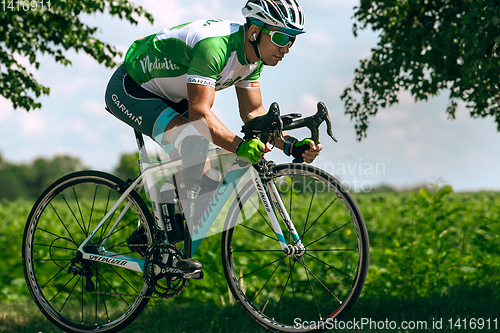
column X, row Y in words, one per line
column 82, row 300
column 312, row 289
column 263, row 217
column 118, row 230
column 121, row 277
column 322, row 284
column 283, row 292
column 293, row 290
column 258, row 250
column 332, row 250
column 276, row 239
column 290, row 210
column 258, row 269
column 338, row 270
column 331, row 203
column 270, row 276
column 92, row 208
column 85, row 231
column 62, row 288
column 95, row 306
column 61, row 269
column 308, row 212
column 64, row 225
column 56, row 236
column 55, row 247
column 328, row 234
column 104, row 230
column 114, row 290
column 102, row 295
column 71, row 292
column 73, row 213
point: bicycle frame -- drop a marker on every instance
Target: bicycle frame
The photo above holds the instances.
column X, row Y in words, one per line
column 266, row 190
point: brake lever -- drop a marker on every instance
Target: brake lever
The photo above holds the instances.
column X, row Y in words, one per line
column 319, row 117
column 276, row 124
column 311, row 122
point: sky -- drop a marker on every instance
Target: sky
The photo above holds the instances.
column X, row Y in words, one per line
column 408, row 145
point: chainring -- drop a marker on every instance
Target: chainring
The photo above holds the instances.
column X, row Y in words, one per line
column 158, row 272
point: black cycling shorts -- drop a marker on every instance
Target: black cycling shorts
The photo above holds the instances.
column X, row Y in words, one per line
column 144, row 111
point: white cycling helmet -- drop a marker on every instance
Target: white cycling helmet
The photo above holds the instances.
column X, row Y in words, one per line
column 285, row 15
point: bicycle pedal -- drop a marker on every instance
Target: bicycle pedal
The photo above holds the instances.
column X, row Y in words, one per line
column 196, row 275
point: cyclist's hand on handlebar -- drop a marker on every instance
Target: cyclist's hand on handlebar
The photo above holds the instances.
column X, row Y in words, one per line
column 252, row 150
column 303, row 151
column 311, row 151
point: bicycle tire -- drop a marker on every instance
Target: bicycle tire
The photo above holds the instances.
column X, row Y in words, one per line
column 279, row 292
column 60, row 220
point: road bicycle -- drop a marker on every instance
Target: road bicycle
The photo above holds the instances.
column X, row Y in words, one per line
column 294, row 243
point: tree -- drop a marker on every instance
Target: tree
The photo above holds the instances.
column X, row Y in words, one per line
column 30, row 180
column 128, row 166
column 427, row 46
column 51, row 27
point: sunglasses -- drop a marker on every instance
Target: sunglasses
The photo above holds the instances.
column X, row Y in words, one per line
column 279, row 38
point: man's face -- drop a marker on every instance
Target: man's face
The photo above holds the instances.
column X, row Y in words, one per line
column 270, row 52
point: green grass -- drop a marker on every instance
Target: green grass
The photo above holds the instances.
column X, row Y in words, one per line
column 207, row 317
column 434, row 254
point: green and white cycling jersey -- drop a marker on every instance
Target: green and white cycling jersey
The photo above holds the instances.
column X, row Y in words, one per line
column 206, row 52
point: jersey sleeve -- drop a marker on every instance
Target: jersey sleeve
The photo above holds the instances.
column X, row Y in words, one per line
column 252, row 81
column 208, row 61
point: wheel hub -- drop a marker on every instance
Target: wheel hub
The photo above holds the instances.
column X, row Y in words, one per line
column 297, row 250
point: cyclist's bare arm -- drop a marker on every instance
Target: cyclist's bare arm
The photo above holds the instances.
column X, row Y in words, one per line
column 201, row 99
column 250, row 104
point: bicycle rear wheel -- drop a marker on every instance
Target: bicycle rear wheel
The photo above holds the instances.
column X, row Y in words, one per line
column 301, row 293
column 106, row 298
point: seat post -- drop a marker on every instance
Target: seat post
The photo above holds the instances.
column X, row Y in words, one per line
column 143, row 155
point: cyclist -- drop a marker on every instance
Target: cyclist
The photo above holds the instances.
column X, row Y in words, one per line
column 169, row 79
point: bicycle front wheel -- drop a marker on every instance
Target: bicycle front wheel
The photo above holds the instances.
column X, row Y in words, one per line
column 304, row 292
column 79, row 295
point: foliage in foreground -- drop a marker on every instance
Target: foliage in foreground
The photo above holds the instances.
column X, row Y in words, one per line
column 210, row 317
column 428, row 249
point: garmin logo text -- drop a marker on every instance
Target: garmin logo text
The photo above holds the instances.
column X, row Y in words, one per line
column 147, row 65
column 200, row 81
column 108, row 260
column 125, row 111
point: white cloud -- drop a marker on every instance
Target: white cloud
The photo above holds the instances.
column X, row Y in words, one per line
column 6, row 109
column 95, row 109
column 334, row 86
column 308, row 104
column 173, row 12
column 32, row 124
column 320, row 37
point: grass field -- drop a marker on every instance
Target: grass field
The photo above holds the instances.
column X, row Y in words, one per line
column 434, row 258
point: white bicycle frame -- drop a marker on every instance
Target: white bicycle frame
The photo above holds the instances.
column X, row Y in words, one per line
column 267, row 192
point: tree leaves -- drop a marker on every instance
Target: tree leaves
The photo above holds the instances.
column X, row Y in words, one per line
column 53, row 31
column 426, row 46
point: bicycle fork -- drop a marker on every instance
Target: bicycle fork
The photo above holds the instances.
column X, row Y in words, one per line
column 271, row 200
